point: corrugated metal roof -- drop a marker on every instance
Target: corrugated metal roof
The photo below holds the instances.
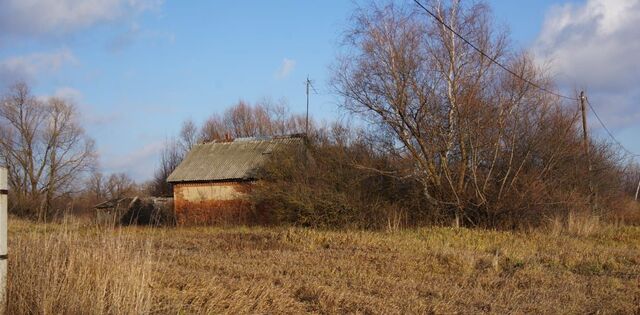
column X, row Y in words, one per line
column 239, row 159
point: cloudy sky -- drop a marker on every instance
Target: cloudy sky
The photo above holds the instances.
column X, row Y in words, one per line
column 138, row 68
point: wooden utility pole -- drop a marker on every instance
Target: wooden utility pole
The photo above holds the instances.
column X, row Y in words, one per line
column 585, row 138
column 306, row 128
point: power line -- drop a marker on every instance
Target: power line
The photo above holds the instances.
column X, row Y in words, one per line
column 524, row 79
column 489, row 57
column 608, row 131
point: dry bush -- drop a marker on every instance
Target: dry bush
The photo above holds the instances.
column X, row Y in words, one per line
column 342, row 180
column 336, row 183
column 55, row 269
column 627, row 213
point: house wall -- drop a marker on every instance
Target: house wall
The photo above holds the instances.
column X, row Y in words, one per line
column 212, row 203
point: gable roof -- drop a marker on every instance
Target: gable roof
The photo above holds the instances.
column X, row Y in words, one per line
column 236, row 160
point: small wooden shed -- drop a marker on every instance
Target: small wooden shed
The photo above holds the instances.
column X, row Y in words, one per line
column 135, row 211
column 211, row 184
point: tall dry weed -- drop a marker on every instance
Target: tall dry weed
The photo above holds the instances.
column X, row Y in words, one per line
column 575, row 224
column 71, row 270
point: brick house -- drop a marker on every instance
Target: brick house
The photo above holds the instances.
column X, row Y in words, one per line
column 212, row 183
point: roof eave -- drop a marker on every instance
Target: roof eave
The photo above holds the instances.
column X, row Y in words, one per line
column 182, row 181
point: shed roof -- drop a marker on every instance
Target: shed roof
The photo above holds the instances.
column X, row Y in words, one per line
column 114, row 203
column 236, row 160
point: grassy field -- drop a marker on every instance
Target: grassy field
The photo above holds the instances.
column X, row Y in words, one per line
column 73, row 268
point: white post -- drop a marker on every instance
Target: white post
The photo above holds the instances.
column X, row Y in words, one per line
column 4, row 189
column 637, row 190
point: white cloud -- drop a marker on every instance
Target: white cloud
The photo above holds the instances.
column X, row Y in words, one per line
column 40, row 17
column 124, row 40
column 89, row 116
column 139, row 163
column 286, row 68
column 595, row 46
column 68, row 93
column 134, row 33
column 29, row 67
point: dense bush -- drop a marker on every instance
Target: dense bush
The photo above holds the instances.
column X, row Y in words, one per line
column 340, row 179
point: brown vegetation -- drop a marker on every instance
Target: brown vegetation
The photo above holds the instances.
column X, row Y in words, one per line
column 487, row 148
column 450, row 140
column 344, row 181
column 335, row 183
column 56, row 269
column 212, row 212
column 245, row 120
column 442, row 136
column 70, row 268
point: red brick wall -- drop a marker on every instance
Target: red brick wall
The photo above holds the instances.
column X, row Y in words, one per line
column 212, row 203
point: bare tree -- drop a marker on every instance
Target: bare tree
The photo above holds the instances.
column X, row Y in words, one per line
column 45, row 148
column 170, row 157
column 245, row 120
column 470, row 129
column 281, row 120
column 120, row 185
column 212, row 129
column 188, row 135
column 240, row 120
column 95, row 187
column 174, row 151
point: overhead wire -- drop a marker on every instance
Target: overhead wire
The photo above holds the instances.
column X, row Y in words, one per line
column 437, row 18
column 593, row 110
column 505, row 68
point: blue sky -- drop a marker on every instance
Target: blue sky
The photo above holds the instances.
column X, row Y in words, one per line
column 138, row 68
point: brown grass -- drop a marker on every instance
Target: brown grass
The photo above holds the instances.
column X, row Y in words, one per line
column 70, row 269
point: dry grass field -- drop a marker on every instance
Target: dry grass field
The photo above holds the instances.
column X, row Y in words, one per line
column 73, row 268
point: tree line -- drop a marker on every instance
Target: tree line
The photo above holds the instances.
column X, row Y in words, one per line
column 52, row 162
column 451, row 138
column 437, row 134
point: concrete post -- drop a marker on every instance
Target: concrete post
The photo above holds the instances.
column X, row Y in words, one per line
column 4, row 189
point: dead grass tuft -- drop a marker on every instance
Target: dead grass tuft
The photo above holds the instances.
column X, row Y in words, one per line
column 576, row 224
